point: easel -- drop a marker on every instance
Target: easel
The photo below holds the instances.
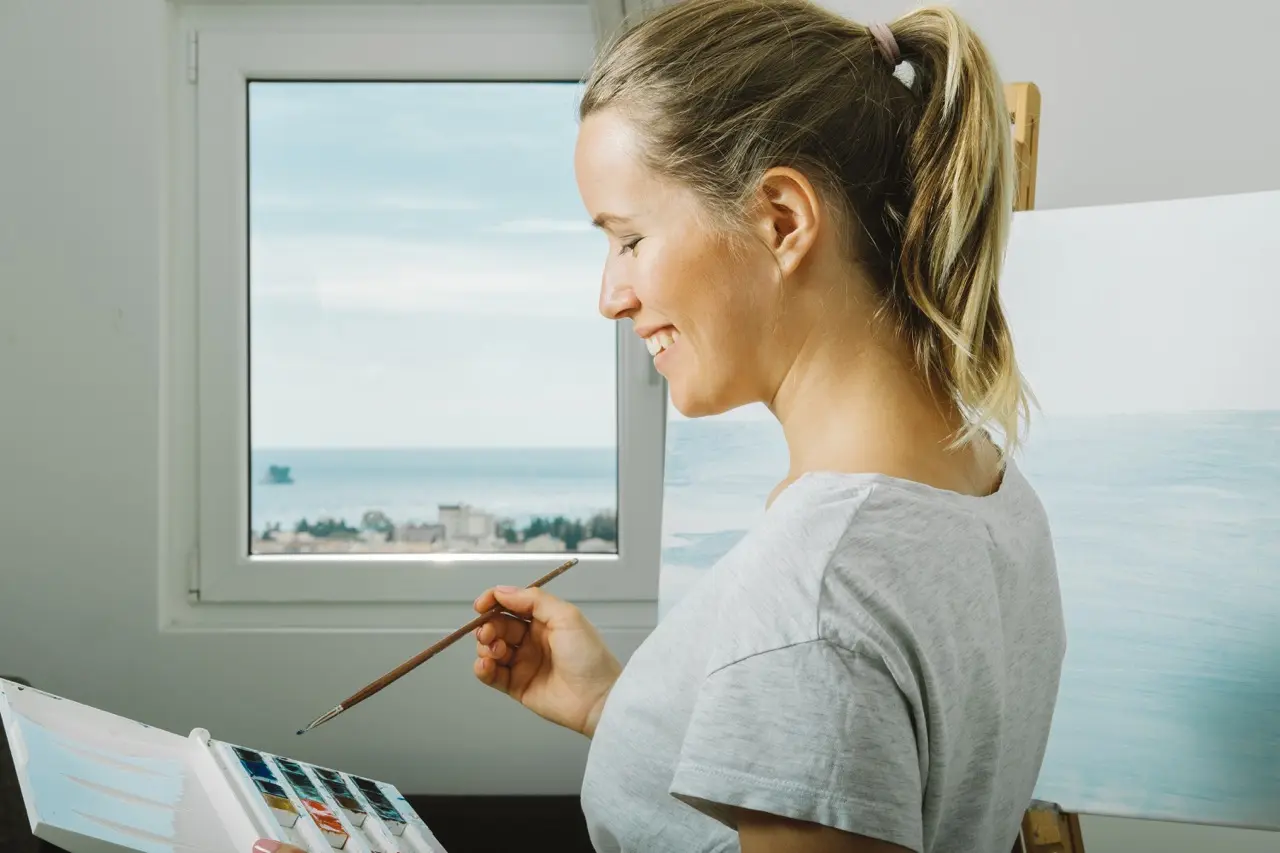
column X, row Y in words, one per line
column 1023, row 101
column 1045, row 827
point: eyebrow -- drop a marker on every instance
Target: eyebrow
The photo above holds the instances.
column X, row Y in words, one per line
column 605, row 220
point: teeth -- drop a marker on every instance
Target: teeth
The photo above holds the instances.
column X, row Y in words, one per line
column 659, row 341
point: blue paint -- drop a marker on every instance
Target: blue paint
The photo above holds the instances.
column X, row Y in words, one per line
column 258, row 769
column 377, row 800
column 388, row 812
column 298, row 779
column 271, row 788
column 110, row 801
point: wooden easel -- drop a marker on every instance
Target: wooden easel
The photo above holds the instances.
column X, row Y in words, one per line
column 1023, row 101
column 1045, row 827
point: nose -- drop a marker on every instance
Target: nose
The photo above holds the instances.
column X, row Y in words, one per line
column 617, row 299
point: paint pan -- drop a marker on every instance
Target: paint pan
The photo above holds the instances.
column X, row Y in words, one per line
column 248, row 755
column 271, row 788
column 355, row 812
column 258, row 769
column 300, row 782
column 342, row 794
column 333, row 830
column 293, row 771
column 381, row 805
column 282, row 809
column 273, row 794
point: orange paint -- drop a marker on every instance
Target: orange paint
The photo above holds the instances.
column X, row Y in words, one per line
column 324, row 818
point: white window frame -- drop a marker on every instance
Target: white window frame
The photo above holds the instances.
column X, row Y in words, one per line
column 423, row 43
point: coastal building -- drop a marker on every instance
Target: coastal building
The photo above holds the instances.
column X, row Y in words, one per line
column 543, row 543
column 468, row 527
column 430, row 533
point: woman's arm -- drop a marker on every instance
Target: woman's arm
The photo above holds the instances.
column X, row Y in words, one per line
column 759, row 832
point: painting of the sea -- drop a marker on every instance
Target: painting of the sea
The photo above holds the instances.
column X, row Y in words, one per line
column 1167, row 532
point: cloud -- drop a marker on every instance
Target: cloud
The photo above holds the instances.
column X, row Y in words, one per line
column 369, row 274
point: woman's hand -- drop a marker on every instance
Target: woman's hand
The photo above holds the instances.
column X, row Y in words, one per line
column 551, row 659
column 264, row 845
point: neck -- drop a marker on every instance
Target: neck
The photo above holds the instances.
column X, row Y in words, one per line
column 854, row 402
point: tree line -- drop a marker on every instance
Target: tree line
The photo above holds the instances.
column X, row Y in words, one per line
column 570, row 531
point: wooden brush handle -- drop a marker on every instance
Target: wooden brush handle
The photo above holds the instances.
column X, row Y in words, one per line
column 435, row 648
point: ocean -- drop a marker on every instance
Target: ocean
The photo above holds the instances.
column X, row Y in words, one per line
column 409, row 485
column 1167, row 532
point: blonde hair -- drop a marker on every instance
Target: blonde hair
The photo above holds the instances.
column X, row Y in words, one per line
column 723, row 90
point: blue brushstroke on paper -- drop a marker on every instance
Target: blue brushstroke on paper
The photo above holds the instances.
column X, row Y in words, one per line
column 54, row 769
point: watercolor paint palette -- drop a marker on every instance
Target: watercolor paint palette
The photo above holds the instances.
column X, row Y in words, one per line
column 94, row 782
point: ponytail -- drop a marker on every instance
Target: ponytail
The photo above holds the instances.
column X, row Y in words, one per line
column 727, row 89
column 961, row 169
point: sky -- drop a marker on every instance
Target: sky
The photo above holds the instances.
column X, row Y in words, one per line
column 422, row 270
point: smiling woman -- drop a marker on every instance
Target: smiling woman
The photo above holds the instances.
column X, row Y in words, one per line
column 808, row 214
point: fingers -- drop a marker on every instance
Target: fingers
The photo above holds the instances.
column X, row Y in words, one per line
column 491, row 673
column 499, row 651
column 497, row 643
column 529, row 603
column 485, row 602
column 506, row 628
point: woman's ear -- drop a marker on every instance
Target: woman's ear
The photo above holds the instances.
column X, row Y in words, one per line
column 788, row 216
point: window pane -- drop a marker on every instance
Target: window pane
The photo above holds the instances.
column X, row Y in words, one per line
column 428, row 372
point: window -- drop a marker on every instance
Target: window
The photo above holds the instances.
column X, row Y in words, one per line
column 404, row 390
column 425, row 371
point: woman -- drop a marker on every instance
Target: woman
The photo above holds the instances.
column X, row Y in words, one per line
column 810, row 213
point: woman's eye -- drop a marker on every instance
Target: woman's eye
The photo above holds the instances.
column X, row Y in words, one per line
column 630, row 247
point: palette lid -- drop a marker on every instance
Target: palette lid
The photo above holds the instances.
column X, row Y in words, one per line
column 95, row 782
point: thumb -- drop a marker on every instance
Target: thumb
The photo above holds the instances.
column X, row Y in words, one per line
column 536, row 604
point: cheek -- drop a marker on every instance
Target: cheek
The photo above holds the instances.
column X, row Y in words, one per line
column 729, row 308
column 690, row 284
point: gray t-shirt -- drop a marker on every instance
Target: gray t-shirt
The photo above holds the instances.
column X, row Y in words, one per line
column 876, row 655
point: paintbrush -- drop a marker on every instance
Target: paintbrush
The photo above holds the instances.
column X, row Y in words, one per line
column 423, row 656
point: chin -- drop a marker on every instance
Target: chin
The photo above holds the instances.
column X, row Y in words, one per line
column 692, row 404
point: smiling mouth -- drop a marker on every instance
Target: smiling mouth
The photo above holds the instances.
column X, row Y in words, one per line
column 660, row 340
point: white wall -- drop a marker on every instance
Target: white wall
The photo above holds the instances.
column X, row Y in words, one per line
column 1142, row 99
column 83, row 260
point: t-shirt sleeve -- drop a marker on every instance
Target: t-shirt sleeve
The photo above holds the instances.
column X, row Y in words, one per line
column 813, row 732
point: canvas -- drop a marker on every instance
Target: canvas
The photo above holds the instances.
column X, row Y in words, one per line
column 1146, row 333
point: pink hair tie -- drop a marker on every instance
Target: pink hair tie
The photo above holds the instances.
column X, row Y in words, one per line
column 887, row 44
